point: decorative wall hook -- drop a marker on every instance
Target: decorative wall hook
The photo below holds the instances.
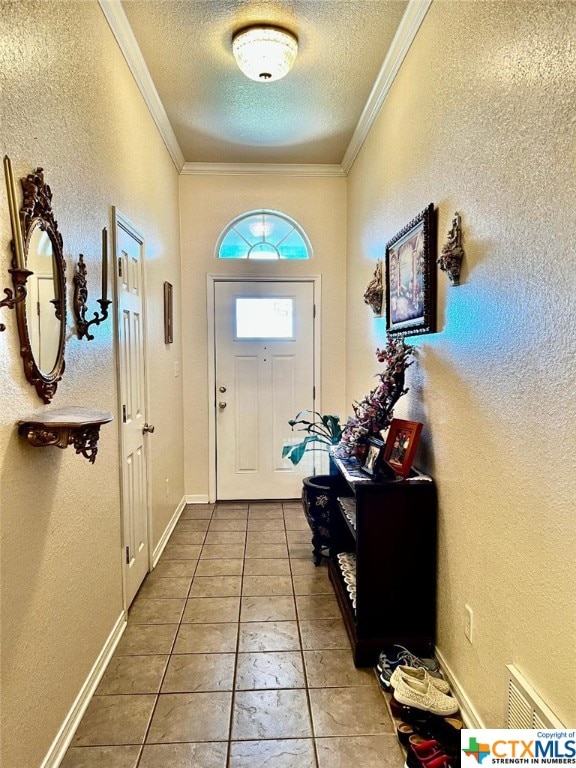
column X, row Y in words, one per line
column 81, row 294
column 452, row 252
column 374, row 293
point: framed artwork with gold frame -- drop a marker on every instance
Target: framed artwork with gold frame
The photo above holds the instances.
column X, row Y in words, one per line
column 411, row 277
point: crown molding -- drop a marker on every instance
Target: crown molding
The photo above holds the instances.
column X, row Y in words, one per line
column 261, row 169
column 116, row 18
column 405, row 34
column 414, row 15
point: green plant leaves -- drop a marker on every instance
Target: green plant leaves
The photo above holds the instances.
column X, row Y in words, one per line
column 332, row 424
column 296, row 452
column 326, row 426
column 324, row 429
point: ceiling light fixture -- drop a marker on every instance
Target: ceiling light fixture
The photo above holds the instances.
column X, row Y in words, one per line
column 264, row 53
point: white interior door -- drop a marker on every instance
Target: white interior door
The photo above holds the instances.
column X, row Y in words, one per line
column 129, row 253
column 264, row 375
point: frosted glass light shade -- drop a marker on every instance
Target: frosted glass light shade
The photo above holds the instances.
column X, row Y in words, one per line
column 264, row 53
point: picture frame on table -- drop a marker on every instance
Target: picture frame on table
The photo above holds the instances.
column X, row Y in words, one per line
column 401, row 444
column 373, row 457
column 411, row 277
column 168, row 314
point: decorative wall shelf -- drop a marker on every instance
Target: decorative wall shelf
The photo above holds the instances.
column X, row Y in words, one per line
column 62, row 427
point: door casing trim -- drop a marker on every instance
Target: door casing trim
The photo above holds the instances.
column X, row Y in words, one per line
column 211, row 281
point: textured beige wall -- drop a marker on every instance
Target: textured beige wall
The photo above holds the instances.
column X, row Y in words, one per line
column 481, row 119
column 208, row 204
column 70, row 105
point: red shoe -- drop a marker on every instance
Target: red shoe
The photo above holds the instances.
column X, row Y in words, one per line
column 443, row 761
column 420, row 759
column 424, row 748
column 428, row 754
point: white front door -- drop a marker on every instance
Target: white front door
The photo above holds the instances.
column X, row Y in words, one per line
column 264, row 375
column 129, row 253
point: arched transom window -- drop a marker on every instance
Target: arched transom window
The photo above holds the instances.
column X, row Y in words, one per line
column 263, row 235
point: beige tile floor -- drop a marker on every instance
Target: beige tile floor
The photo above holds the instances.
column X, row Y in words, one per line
column 235, row 656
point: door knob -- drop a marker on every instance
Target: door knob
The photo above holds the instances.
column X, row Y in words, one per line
column 222, row 405
column 222, row 389
column 148, row 428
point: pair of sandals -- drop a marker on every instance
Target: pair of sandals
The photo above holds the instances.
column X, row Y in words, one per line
column 416, row 726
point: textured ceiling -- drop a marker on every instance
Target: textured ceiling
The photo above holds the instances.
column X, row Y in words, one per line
column 219, row 116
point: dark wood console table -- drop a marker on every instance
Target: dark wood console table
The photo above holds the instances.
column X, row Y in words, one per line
column 388, row 527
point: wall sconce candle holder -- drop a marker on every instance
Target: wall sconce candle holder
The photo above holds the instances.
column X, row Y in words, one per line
column 19, row 278
column 19, row 273
column 374, row 293
column 452, row 252
column 81, row 294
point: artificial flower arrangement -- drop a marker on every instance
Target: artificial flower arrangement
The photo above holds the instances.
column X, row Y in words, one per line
column 374, row 412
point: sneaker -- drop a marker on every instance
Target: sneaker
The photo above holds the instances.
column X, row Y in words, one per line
column 421, row 674
column 425, row 696
column 384, row 681
column 387, row 663
column 410, row 660
column 389, row 660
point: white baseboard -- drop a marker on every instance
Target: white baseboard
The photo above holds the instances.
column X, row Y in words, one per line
column 167, row 532
column 68, row 728
column 470, row 716
column 199, row 498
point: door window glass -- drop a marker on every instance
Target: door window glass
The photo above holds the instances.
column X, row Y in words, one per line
column 264, row 318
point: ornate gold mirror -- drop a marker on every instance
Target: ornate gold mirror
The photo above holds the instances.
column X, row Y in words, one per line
column 42, row 316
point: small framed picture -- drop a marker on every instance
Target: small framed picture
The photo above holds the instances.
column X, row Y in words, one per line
column 411, row 277
column 401, row 444
column 372, row 460
column 168, row 314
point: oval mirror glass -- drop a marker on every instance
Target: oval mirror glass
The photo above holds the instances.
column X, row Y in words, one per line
column 42, row 301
